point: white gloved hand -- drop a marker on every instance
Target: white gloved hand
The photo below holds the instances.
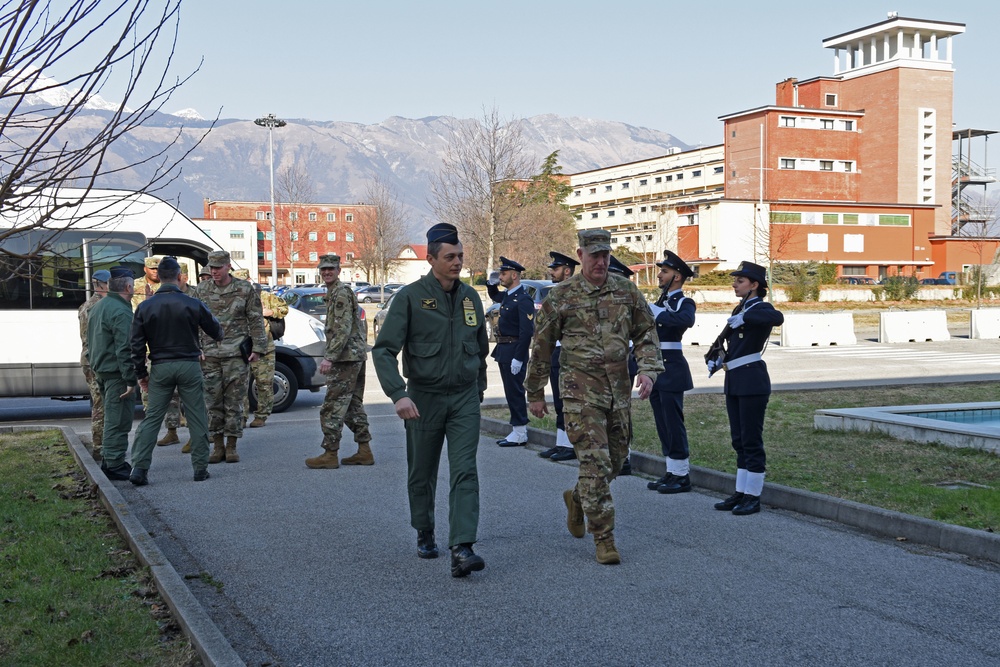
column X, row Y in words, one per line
column 656, row 310
column 714, row 365
column 515, row 366
column 736, row 321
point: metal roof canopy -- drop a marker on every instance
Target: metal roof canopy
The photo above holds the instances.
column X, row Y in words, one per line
column 971, row 133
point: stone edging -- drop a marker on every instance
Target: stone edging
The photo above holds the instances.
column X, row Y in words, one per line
column 875, row 520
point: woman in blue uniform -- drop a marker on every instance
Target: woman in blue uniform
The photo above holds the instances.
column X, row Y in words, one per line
column 747, row 385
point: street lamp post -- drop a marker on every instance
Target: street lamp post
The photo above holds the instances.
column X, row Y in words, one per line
column 271, row 122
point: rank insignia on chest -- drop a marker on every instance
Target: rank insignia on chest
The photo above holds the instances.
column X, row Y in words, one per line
column 429, row 304
column 469, row 311
column 531, row 316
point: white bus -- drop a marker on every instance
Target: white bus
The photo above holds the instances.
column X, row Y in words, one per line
column 45, row 275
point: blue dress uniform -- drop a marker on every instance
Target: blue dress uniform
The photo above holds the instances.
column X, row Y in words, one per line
column 515, row 327
column 674, row 314
column 747, row 388
column 563, row 450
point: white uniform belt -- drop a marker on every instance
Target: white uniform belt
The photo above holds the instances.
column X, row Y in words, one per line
column 741, row 361
column 671, row 346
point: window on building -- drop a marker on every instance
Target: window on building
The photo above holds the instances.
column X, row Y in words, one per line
column 261, row 215
column 293, row 216
column 312, row 217
column 784, row 217
column 787, row 163
column 593, row 216
column 643, row 181
column 614, row 240
column 331, row 236
column 295, row 256
column 238, row 254
column 593, row 191
column 734, row 134
column 696, row 173
column 349, row 217
column 649, row 237
column 831, row 218
column 895, row 220
column 788, row 121
column 848, row 166
column 349, row 237
column 293, row 236
column 850, row 218
column 313, row 256
column 628, row 239
column 718, row 170
column 625, row 186
column 826, row 165
column 831, row 100
column 579, row 216
column 680, row 177
column 349, row 256
column 607, row 188
column 854, row 271
column 668, row 177
column 269, row 256
column 313, row 236
column 642, row 209
column 826, row 123
column 849, row 125
column 331, row 217
column 628, row 211
column 300, row 279
column 658, row 180
column 576, row 193
column 611, row 214
column 235, row 233
column 268, row 236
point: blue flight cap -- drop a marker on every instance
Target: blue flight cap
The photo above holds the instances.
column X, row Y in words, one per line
column 615, row 266
column 754, row 272
column 443, row 232
column 674, row 262
column 103, row 275
column 122, row 272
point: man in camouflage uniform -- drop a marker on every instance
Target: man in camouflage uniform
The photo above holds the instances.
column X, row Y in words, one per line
column 99, row 279
column 344, row 365
column 147, row 284
column 594, row 315
column 235, row 304
column 263, row 369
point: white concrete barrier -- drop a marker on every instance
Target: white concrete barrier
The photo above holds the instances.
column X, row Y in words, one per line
column 812, row 329
column 707, row 327
column 912, row 326
column 984, row 323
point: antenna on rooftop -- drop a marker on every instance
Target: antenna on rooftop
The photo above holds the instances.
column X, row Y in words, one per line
column 893, row 15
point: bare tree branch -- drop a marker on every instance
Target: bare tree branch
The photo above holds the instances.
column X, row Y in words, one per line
column 380, row 231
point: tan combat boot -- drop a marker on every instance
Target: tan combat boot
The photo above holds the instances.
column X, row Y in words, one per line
column 231, row 455
column 257, row 422
column 607, row 554
column 186, row 449
column 218, row 451
column 97, row 448
column 327, row 460
column 169, row 439
column 574, row 514
column 362, row 458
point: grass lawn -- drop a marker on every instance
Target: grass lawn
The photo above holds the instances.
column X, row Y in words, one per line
column 869, row 468
column 73, row 594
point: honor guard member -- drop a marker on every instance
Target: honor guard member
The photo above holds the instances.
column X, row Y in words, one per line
column 108, row 332
column 515, row 326
column 235, row 304
column 748, row 385
column 561, row 268
column 344, row 366
column 595, row 314
column 99, row 281
column 616, row 266
column 437, row 324
column 167, row 324
column 674, row 314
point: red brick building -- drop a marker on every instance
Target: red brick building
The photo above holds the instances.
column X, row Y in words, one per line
column 304, row 232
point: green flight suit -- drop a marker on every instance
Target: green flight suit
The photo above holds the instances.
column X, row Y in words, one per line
column 108, row 333
column 443, row 341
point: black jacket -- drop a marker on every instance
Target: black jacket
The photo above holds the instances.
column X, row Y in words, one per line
column 168, row 322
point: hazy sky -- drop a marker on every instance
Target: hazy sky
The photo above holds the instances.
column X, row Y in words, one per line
column 668, row 65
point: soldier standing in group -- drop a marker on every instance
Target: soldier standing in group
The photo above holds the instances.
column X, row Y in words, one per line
column 146, row 284
column 99, row 280
column 515, row 327
column 344, row 366
column 108, row 331
column 275, row 308
column 167, row 324
column 561, row 268
column 437, row 324
column 748, row 385
column 595, row 315
column 235, row 304
column 674, row 314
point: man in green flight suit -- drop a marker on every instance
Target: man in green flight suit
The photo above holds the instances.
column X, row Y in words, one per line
column 437, row 323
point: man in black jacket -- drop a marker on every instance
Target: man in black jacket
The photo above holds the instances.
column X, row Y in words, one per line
column 168, row 322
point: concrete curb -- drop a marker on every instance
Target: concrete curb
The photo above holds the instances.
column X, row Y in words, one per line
column 875, row 520
column 211, row 645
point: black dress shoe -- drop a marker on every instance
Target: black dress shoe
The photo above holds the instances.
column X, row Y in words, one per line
column 507, row 443
column 563, row 454
column 747, row 505
column 729, row 503
column 138, row 477
column 464, row 561
column 426, row 548
column 676, row 484
column 546, row 453
column 119, row 472
column 201, row 475
column 655, row 484
column 626, row 468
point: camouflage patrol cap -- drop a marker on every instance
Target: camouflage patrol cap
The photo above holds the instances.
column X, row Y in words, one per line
column 151, row 262
column 184, row 269
column 218, row 258
column 330, row 261
column 593, row 241
column 242, row 274
column 205, row 271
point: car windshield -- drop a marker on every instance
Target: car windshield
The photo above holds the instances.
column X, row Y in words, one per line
column 312, row 304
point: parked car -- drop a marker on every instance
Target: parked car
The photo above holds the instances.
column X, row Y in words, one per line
column 310, row 301
column 394, row 286
column 297, row 357
column 929, row 281
column 372, row 293
column 856, row 280
column 949, row 278
column 538, row 289
column 383, row 310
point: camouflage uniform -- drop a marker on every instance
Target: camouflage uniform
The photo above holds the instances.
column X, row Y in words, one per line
column 594, row 325
column 96, row 401
column 345, row 384
column 145, row 288
column 263, row 368
column 237, row 307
